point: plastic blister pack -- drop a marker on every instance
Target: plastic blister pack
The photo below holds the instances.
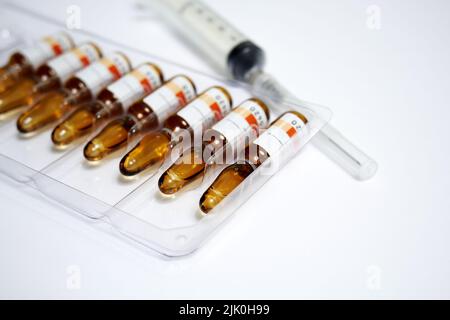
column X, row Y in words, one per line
column 134, row 207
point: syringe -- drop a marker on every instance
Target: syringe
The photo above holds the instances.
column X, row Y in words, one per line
column 235, row 55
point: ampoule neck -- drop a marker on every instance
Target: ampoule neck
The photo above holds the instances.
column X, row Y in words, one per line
column 176, row 126
column 143, row 115
column 170, row 136
column 217, row 141
column 76, row 91
column 216, row 146
column 256, row 155
column 46, row 79
column 19, row 65
column 108, row 104
column 140, row 110
column 99, row 110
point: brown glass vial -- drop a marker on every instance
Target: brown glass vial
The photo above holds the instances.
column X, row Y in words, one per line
column 14, row 71
column 286, row 127
column 243, row 123
column 149, row 154
column 110, row 102
column 22, row 64
column 145, row 115
column 49, row 76
column 79, row 89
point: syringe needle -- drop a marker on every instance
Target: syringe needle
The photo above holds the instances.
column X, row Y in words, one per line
column 328, row 140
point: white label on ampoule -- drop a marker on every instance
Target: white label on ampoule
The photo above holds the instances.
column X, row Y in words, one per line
column 287, row 127
column 101, row 73
column 136, row 84
column 73, row 61
column 209, row 108
column 47, row 48
column 244, row 121
column 174, row 94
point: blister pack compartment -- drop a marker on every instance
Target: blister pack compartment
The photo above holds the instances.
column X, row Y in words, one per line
column 134, row 207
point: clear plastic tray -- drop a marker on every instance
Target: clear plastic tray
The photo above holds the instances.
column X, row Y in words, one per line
column 133, row 207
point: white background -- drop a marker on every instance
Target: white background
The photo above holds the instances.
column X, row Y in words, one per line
column 311, row 232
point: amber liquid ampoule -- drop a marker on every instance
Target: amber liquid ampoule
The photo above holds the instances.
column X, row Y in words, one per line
column 48, row 77
column 242, row 124
column 285, row 128
column 110, row 102
column 80, row 89
column 25, row 70
column 149, row 154
column 22, row 64
column 145, row 115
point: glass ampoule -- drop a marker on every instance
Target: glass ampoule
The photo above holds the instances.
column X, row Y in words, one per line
column 242, row 124
column 79, row 89
column 291, row 125
column 110, row 102
column 145, row 115
column 50, row 76
column 149, row 154
column 23, row 63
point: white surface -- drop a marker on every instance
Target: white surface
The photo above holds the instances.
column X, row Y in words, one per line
column 311, row 232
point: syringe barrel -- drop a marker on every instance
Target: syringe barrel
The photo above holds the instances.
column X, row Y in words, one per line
column 227, row 48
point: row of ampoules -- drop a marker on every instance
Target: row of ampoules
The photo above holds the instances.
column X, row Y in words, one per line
column 57, row 81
